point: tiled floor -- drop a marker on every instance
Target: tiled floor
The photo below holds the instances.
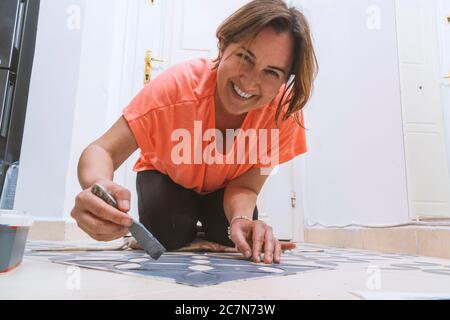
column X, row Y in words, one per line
column 349, row 274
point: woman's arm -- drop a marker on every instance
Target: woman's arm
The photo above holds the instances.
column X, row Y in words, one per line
column 241, row 194
column 240, row 200
column 103, row 156
column 251, row 237
column 97, row 165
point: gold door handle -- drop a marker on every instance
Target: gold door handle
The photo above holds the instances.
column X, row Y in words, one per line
column 148, row 66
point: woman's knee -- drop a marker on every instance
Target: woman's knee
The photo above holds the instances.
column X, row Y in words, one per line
column 168, row 211
column 172, row 230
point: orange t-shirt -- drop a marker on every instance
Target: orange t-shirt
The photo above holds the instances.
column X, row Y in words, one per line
column 173, row 121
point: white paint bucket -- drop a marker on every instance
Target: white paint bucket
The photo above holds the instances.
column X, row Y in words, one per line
column 14, row 227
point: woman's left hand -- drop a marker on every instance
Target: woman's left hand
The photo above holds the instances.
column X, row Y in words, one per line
column 253, row 238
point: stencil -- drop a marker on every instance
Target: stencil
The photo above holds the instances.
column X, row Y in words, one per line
column 204, row 269
column 188, row 268
column 195, row 269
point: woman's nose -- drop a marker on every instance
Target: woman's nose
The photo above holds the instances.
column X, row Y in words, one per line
column 250, row 80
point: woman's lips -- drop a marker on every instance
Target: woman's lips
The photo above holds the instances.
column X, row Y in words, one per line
column 235, row 94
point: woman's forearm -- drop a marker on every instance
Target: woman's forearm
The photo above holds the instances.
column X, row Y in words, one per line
column 239, row 201
column 102, row 157
column 95, row 164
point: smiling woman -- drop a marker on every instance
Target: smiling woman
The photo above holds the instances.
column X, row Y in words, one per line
column 265, row 68
column 288, row 33
column 250, row 78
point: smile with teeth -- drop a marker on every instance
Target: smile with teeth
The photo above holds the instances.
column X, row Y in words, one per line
column 241, row 93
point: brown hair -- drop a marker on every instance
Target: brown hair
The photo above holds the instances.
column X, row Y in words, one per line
column 249, row 20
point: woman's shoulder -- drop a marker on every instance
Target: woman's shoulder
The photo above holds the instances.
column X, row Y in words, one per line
column 200, row 75
column 181, row 83
column 188, row 80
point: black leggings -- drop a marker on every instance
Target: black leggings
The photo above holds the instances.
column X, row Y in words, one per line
column 171, row 212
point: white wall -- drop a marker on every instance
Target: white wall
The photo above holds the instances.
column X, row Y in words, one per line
column 72, row 100
column 48, row 126
column 354, row 171
column 98, row 103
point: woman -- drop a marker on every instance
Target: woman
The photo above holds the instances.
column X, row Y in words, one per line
column 186, row 172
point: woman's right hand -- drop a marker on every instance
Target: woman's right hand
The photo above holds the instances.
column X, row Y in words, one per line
column 100, row 220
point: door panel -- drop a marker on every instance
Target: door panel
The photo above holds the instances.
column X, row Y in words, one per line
column 443, row 26
column 425, row 147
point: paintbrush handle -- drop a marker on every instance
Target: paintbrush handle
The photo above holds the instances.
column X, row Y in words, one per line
column 103, row 194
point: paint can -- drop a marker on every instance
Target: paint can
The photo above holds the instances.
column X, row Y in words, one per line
column 14, row 227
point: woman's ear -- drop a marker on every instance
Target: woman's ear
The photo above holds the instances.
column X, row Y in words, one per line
column 221, row 47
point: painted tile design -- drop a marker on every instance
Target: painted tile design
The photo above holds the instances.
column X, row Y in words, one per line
column 194, row 269
column 204, row 269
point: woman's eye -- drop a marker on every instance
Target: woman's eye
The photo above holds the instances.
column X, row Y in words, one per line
column 273, row 73
column 246, row 58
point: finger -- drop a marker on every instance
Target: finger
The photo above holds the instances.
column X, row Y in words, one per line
column 277, row 253
column 238, row 237
column 102, row 210
column 112, row 236
column 259, row 231
column 288, row 246
column 102, row 237
column 99, row 227
column 268, row 245
column 122, row 196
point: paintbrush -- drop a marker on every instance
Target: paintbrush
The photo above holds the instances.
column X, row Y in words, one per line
column 146, row 240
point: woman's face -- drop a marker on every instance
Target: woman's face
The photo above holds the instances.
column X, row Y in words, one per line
column 250, row 79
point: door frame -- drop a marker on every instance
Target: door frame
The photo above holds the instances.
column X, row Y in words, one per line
column 444, row 68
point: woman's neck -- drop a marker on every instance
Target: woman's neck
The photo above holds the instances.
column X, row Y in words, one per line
column 223, row 116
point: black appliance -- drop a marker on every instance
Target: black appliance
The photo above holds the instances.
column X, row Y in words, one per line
column 18, row 26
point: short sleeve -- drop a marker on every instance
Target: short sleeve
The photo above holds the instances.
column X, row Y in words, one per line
column 291, row 143
column 138, row 120
column 163, row 91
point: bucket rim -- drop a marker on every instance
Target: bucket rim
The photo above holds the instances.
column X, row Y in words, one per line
column 15, row 219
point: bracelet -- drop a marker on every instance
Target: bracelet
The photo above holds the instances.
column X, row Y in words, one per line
column 234, row 219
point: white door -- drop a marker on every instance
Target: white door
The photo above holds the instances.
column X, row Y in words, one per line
column 443, row 25
column 176, row 31
column 421, row 85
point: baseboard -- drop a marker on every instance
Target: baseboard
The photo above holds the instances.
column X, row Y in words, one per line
column 421, row 240
column 56, row 231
